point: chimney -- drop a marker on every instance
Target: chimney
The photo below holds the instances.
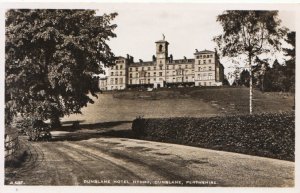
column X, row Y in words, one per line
column 153, row 58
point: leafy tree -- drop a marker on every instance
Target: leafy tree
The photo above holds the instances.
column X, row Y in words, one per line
column 290, row 64
column 51, row 56
column 259, row 74
column 244, row 78
column 249, row 33
column 225, row 82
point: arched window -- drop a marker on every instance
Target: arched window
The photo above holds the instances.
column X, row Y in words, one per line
column 160, row 48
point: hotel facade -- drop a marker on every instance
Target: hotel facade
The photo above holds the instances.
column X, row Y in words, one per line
column 204, row 69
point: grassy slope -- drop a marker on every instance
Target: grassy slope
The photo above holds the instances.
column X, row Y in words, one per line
column 228, row 100
column 180, row 102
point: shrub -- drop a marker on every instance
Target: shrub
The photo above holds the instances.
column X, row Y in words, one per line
column 268, row 135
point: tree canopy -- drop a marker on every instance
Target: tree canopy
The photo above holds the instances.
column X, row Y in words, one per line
column 249, row 33
column 51, row 57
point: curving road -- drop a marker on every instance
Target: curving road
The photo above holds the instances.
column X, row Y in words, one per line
column 122, row 161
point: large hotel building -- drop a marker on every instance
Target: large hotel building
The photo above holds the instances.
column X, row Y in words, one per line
column 204, row 69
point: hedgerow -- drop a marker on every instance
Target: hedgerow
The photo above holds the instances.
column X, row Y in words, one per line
column 269, row 135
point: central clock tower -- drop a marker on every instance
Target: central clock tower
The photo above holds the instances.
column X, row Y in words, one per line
column 161, row 60
column 161, row 50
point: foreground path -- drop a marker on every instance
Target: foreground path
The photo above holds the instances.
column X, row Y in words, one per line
column 121, row 161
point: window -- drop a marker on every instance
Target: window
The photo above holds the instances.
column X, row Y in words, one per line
column 111, row 81
column 204, row 61
column 160, row 73
column 136, row 69
column 209, row 83
column 121, row 80
column 209, row 68
column 116, row 80
column 154, row 68
column 199, row 69
column 130, row 69
column 142, row 68
column 121, row 73
column 130, row 75
column 204, row 68
column 204, row 56
column 154, row 73
column 186, row 77
column 210, row 76
column 148, row 81
column 112, row 73
column 186, row 66
column 121, row 66
column 209, row 61
column 117, row 67
column 154, row 79
column 160, row 67
column 148, row 73
column 160, row 48
column 137, row 75
column 149, row 68
column 130, row 81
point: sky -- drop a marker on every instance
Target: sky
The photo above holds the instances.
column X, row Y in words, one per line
column 186, row 27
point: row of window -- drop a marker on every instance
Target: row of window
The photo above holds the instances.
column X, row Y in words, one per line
column 116, row 73
column 204, row 68
column 160, row 67
column 204, row 62
column 204, row 56
column 116, row 67
column 205, row 76
column 116, row 81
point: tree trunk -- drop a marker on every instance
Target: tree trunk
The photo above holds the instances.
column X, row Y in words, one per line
column 250, row 86
column 55, row 122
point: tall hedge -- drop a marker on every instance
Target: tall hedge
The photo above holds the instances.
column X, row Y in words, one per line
column 268, row 135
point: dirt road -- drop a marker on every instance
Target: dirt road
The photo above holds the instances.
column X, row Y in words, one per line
column 122, row 161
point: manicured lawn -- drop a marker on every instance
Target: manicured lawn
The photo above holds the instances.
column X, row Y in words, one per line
column 179, row 102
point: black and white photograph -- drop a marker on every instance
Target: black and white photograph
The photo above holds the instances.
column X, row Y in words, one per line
column 149, row 95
